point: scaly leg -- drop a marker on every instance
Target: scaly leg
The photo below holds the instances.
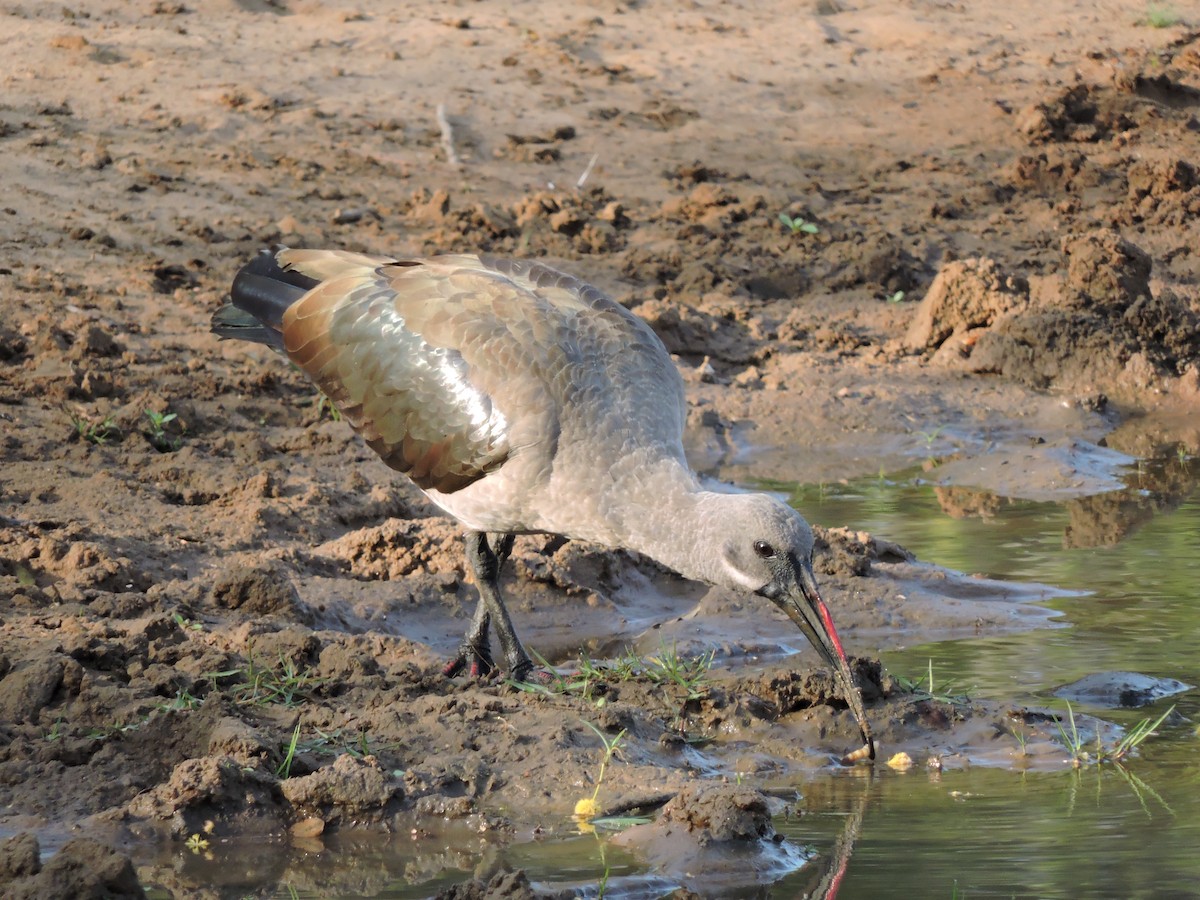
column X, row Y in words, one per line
column 475, row 652
column 486, row 558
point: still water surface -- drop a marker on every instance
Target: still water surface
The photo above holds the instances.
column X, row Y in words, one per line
column 1095, row 832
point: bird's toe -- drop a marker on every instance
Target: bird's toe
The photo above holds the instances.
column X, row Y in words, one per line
column 475, row 661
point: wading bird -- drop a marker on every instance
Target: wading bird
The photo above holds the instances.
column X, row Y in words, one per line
column 522, row 400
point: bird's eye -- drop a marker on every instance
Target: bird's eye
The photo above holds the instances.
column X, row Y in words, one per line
column 763, row 549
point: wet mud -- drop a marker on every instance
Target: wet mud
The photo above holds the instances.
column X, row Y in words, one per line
column 220, row 615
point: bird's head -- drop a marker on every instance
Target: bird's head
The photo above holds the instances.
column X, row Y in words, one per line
column 767, row 549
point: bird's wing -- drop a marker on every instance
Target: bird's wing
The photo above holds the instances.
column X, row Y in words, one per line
column 360, row 336
column 447, row 366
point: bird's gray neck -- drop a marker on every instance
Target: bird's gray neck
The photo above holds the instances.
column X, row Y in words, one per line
column 672, row 526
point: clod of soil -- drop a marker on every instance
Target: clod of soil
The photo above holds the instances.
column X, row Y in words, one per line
column 721, row 830
column 82, row 868
column 1099, row 325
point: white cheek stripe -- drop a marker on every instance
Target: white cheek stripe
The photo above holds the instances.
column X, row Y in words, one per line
column 736, row 575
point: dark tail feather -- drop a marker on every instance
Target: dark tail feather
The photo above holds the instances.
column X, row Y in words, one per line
column 262, row 291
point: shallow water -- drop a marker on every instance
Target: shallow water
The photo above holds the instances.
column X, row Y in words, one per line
column 1134, row 558
column 1093, row 832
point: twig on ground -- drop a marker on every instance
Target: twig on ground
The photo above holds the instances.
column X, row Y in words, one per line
column 447, row 136
column 587, row 172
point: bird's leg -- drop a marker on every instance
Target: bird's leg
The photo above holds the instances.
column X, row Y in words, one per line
column 475, row 652
column 486, row 559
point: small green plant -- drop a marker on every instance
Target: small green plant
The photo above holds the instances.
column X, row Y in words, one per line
column 667, row 667
column 689, row 673
column 56, row 731
column 588, row 681
column 797, row 225
column 923, row 689
column 183, row 700
column 106, row 731
column 95, row 432
column 196, row 843
column 259, row 686
column 157, row 435
column 285, row 767
column 1131, row 740
column 335, row 742
column 1160, row 15
column 589, row 807
column 1021, row 736
column 1136, row 736
column 185, row 623
column 325, row 407
column 896, row 297
column 931, row 436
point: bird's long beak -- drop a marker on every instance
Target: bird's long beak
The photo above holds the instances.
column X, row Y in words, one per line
column 804, row 606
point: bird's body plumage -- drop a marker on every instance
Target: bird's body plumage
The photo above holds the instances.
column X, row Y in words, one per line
column 462, row 366
column 521, row 399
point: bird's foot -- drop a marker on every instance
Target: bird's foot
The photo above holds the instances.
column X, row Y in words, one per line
column 475, row 661
column 525, row 671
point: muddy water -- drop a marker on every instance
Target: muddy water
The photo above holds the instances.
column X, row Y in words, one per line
column 1134, row 555
column 985, row 830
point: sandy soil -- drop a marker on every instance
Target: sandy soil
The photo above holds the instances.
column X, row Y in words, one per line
column 1003, row 274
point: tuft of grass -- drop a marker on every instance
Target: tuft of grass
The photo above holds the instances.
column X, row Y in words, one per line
column 1130, row 741
column 259, row 686
column 157, row 435
column 104, row 732
column 183, row 700
column 1022, row 738
column 336, row 743
column 324, row 407
column 285, row 767
column 1160, row 15
column 668, row 667
column 923, row 688
column 97, row 432
column 797, row 225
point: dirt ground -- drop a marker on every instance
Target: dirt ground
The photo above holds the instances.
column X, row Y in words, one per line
column 992, row 259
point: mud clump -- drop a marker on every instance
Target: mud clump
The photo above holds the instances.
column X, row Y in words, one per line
column 1098, row 326
column 213, row 792
column 260, row 591
column 965, row 295
column 790, row 691
column 723, row 831
column 351, row 791
column 28, row 688
column 82, row 868
column 1104, row 270
column 716, row 812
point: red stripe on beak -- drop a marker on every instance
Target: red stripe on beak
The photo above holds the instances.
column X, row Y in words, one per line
column 827, row 619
